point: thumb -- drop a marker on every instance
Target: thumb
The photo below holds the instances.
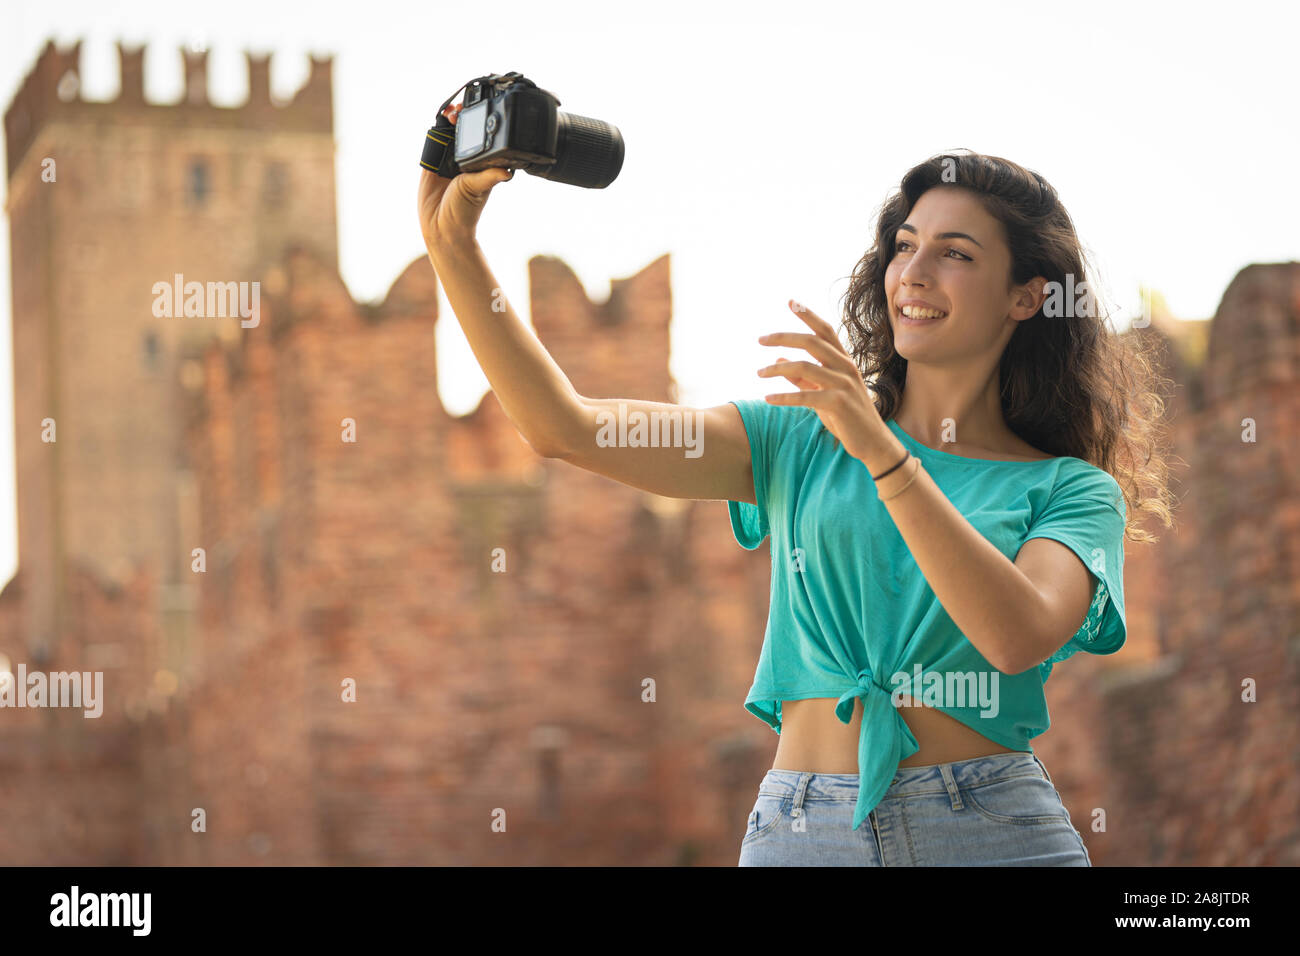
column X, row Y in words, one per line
column 483, row 180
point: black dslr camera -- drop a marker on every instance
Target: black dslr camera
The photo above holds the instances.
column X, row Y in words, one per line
column 508, row 121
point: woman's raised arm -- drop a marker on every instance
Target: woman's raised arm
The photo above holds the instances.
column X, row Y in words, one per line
column 700, row 453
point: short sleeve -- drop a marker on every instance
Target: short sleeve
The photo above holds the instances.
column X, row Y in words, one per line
column 765, row 424
column 1086, row 513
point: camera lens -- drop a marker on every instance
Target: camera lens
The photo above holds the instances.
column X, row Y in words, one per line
column 588, row 152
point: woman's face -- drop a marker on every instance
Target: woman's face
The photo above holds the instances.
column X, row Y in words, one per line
column 964, row 276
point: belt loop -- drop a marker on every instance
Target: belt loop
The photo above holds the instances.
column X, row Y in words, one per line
column 1046, row 776
column 796, row 809
column 951, row 784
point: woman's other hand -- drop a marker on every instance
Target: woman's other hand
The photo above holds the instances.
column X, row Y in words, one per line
column 834, row 389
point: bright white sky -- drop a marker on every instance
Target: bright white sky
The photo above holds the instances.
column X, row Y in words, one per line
column 760, row 139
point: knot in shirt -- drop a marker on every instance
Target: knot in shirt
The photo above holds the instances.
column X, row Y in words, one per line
column 866, row 684
column 883, row 740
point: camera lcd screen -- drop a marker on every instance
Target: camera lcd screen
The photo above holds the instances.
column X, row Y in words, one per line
column 469, row 130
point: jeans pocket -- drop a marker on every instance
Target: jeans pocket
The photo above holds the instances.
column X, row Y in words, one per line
column 767, row 813
column 1023, row 800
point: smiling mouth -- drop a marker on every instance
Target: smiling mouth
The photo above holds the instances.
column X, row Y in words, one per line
column 919, row 320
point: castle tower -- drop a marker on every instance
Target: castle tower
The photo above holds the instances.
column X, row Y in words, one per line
column 106, row 200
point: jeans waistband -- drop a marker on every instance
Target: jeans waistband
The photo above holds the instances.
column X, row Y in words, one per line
column 964, row 773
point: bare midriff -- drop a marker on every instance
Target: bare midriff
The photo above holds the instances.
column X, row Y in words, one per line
column 812, row 739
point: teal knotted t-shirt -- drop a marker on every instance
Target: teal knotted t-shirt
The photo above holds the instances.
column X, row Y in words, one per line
column 850, row 613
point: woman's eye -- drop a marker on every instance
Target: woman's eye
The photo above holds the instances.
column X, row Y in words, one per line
column 898, row 247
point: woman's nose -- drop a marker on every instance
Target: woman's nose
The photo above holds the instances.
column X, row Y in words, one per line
column 916, row 272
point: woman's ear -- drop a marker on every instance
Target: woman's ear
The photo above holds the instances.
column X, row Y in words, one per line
column 1029, row 299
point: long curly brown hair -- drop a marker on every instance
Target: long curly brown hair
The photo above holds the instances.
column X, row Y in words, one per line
column 1069, row 386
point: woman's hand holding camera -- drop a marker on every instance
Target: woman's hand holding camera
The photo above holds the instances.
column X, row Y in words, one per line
column 450, row 208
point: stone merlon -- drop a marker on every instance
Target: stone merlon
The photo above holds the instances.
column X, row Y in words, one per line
column 51, row 93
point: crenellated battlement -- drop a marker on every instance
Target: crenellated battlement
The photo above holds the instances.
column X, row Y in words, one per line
column 51, row 93
column 306, row 310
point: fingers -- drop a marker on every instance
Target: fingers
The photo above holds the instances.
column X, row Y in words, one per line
column 427, row 181
column 799, row 379
column 430, row 192
column 820, row 326
column 822, row 343
column 830, row 355
column 814, row 321
column 476, row 183
column 803, row 374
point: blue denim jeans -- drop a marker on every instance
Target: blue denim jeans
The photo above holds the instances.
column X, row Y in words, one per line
column 1000, row 810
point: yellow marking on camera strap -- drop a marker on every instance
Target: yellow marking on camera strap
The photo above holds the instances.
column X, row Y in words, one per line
column 441, row 142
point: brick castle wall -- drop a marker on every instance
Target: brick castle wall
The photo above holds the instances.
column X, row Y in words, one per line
column 1158, row 737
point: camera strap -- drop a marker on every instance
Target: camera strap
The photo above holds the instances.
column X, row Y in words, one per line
column 437, row 141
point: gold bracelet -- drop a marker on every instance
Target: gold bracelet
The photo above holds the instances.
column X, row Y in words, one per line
column 909, row 481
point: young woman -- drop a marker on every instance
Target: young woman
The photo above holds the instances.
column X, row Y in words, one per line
column 939, row 538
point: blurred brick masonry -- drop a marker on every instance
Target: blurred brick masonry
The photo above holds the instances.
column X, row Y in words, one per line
column 372, row 561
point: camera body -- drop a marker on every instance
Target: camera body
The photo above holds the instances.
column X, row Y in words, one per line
column 506, row 120
column 511, row 125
